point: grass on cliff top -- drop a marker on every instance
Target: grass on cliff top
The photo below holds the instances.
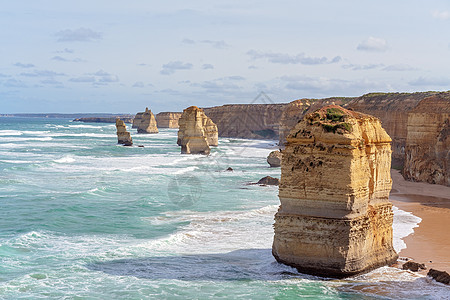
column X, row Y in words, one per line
column 335, row 114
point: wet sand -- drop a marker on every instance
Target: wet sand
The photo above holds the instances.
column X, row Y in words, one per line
column 430, row 242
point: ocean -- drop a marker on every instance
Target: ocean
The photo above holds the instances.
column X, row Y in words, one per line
column 84, row 218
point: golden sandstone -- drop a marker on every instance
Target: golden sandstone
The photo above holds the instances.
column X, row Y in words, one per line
column 196, row 132
column 335, row 218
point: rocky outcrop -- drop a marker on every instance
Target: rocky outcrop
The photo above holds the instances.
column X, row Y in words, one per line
column 123, row 136
column 295, row 110
column 269, row 180
column 168, row 119
column 274, row 159
column 252, row 121
column 413, row 266
column 439, row 276
column 196, row 132
column 428, row 141
column 145, row 122
column 335, row 218
column 392, row 109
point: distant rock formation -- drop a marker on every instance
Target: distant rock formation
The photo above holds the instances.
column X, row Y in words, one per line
column 197, row 132
column 125, row 118
column 428, row 141
column 392, row 109
column 123, row 136
column 252, row 121
column 335, row 218
column 145, row 122
column 274, row 159
column 168, row 119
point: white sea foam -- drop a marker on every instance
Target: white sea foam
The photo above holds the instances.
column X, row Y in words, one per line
column 404, row 224
column 65, row 159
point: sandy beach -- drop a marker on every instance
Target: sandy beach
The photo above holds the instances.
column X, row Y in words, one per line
column 430, row 242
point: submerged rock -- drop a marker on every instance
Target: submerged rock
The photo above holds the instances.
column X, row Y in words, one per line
column 197, row 132
column 145, row 122
column 335, row 218
column 413, row 266
column 268, row 180
column 274, row 159
column 123, row 136
column 439, row 276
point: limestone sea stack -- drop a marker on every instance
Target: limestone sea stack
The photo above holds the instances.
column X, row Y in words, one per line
column 123, row 136
column 168, row 119
column 335, row 218
column 145, row 122
column 196, row 132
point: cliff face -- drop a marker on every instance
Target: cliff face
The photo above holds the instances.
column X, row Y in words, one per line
column 123, row 136
column 428, row 141
column 145, row 122
column 295, row 110
column 197, row 132
column 253, row 121
column 392, row 109
column 335, row 218
column 168, row 119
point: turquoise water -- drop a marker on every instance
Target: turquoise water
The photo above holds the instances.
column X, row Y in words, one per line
column 84, row 218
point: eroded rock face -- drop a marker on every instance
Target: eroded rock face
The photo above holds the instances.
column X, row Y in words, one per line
column 335, row 218
column 168, row 119
column 274, row 159
column 123, row 136
column 196, row 132
column 252, row 121
column 427, row 156
column 145, row 122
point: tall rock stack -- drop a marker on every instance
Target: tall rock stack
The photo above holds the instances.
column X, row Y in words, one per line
column 145, row 122
column 196, row 132
column 123, row 136
column 168, row 119
column 335, row 218
column 427, row 152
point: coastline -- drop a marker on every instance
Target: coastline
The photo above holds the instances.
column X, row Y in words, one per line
column 428, row 243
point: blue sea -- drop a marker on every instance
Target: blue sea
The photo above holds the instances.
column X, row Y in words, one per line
column 84, row 218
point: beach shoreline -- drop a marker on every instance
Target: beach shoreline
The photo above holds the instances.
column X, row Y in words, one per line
column 428, row 243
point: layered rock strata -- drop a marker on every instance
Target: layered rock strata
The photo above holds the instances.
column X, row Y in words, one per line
column 168, row 119
column 123, row 136
column 428, row 141
column 392, row 109
column 145, row 122
column 254, row 121
column 335, row 218
column 274, row 159
column 196, row 132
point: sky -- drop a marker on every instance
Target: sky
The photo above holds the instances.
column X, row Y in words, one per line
column 122, row 56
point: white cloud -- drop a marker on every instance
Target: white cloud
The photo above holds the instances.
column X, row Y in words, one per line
column 138, row 84
column 356, row 67
column 78, row 35
column 207, row 66
column 173, row 66
column 430, row 81
column 62, row 59
column 399, row 67
column 42, row 73
column 216, row 44
column 373, row 44
column 442, row 15
column 89, row 79
column 283, row 58
column 14, row 83
column 21, row 65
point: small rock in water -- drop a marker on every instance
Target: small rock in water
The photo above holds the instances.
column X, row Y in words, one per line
column 268, row 180
column 141, row 146
column 413, row 266
column 229, row 169
column 439, row 276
